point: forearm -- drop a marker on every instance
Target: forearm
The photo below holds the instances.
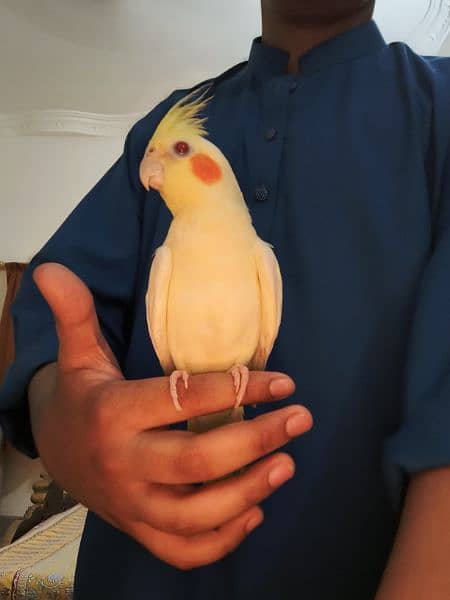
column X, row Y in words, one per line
column 419, row 566
column 40, row 390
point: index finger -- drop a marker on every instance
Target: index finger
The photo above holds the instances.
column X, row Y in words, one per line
column 146, row 403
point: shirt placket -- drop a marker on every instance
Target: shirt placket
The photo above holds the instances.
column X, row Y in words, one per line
column 265, row 137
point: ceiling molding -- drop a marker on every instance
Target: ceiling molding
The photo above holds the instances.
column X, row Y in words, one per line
column 431, row 33
column 66, row 122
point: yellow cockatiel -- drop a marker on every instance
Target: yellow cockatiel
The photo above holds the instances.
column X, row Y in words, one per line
column 215, row 292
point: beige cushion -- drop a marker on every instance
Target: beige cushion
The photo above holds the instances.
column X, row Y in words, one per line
column 41, row 564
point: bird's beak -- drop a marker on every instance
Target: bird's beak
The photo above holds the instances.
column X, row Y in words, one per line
column 151, row 171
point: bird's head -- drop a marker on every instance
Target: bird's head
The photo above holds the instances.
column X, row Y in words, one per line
column 180, row 163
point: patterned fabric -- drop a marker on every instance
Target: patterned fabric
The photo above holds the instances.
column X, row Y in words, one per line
column 41, row 564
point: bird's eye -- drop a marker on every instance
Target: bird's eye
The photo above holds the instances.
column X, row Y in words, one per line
column 181, row 148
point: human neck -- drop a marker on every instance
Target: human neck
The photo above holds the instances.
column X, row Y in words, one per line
column 298, row 38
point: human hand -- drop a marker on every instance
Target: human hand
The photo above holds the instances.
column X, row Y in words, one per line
column 106, row 440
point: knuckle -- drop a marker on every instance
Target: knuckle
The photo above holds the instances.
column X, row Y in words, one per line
column 253, row 492
column 192, row 463
column 265, row 440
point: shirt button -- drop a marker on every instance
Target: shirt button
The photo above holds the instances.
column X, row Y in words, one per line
column 270, row 134
column 292, row 87
column 261, row 193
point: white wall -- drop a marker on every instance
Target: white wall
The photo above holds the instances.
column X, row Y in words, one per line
column 115, row 56
column 445, row 50
column 43, row 178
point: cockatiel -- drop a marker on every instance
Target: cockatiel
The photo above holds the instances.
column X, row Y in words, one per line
column 214, row 295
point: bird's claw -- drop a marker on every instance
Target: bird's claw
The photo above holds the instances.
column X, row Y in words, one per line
column 173, row 380
column 240, row 375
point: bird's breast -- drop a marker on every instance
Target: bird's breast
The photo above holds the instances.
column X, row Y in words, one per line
column 213, row 316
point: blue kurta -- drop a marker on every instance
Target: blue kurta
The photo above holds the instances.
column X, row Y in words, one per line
column 346, row 171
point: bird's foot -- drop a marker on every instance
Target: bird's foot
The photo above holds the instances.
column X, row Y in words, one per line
column 240, row 375
column 173, row 380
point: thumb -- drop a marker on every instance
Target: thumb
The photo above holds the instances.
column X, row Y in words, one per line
column 81, row 343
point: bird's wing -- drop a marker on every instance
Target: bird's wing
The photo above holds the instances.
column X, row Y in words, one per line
column 156, row 305
column 271, row 295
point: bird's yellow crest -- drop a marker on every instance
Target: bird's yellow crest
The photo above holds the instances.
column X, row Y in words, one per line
column 183, row 118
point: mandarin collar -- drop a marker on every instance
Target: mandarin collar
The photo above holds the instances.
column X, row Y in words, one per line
column 267, row 61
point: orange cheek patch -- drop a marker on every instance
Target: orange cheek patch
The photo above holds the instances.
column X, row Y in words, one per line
column 206, row 169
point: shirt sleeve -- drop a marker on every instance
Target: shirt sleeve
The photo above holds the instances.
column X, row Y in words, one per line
column 99, row 241
column 423, row 439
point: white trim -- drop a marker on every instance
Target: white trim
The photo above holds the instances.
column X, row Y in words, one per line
column 431, row 33
column 66, row 122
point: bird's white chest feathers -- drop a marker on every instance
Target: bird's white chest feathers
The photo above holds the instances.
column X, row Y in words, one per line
column 213, row 308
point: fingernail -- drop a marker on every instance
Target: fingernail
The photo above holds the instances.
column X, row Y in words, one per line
column 281, row 387
column 253, row 523
column 295, row 425
column 280, row 474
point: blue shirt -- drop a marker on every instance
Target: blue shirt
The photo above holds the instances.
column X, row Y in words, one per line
column 346, row 171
